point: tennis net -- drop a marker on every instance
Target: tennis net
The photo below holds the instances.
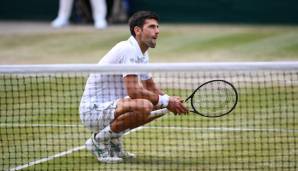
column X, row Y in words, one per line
column 41, row 128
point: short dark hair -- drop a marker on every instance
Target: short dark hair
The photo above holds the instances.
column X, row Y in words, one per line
column 138, row 19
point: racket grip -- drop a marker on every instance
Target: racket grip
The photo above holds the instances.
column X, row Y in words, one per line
column 159, row 112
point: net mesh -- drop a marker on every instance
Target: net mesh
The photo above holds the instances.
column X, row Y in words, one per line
column 41, row 127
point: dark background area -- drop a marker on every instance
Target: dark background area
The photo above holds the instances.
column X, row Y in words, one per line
column 191, row 11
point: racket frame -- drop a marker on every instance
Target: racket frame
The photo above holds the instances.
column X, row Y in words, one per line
column 163, row 111
column 213, row 116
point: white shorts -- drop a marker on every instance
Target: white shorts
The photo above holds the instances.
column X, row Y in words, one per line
column 99, row 116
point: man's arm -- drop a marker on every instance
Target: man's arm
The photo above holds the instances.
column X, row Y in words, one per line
column 135, row 90
column 151, row 86
column 152, row 93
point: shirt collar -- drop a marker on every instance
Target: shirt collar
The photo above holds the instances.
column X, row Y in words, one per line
column 136, row 45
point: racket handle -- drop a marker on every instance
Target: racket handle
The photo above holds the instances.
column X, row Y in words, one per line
column 159, row 112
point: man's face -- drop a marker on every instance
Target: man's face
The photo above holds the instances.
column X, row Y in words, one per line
column 149, row 33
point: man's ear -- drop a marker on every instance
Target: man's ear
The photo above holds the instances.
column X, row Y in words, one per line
column 137, row 30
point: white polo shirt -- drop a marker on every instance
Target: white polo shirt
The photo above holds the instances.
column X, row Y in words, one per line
column 101, row 88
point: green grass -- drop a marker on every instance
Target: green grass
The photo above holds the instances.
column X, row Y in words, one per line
column 261, row 134
column 177, row 43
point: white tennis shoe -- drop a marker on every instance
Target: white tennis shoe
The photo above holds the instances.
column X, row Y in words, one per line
column 60, row 22
column 117, row 149
column 101, row 150
column 101, row 24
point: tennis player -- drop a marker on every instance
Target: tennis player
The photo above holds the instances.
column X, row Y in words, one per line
column 112, row 105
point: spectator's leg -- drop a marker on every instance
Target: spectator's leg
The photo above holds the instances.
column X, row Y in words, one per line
column 64, row 12
column 99, row 11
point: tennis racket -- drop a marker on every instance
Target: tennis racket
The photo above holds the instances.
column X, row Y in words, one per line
column 213, row 98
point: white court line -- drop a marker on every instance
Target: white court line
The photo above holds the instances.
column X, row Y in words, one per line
column 4, row 125
column 222, row 129
column 20, row 167
column 61, row 154
column 226, row 129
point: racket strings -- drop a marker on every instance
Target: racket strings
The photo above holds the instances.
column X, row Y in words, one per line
column 214, row 98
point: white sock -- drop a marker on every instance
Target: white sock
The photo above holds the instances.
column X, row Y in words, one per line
column 120, row 134
column 105, row 134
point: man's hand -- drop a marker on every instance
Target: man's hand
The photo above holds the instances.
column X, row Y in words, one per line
column 176, row 105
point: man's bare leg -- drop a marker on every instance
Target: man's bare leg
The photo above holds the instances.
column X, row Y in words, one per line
column 132, row 113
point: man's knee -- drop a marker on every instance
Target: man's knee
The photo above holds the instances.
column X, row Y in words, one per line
column 145, row 106
column 133, row 105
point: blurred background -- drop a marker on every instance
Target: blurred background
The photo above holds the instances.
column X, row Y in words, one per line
column 193, row 30
column 256, row 11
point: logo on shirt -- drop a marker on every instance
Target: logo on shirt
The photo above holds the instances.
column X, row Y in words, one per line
column 139, row 59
